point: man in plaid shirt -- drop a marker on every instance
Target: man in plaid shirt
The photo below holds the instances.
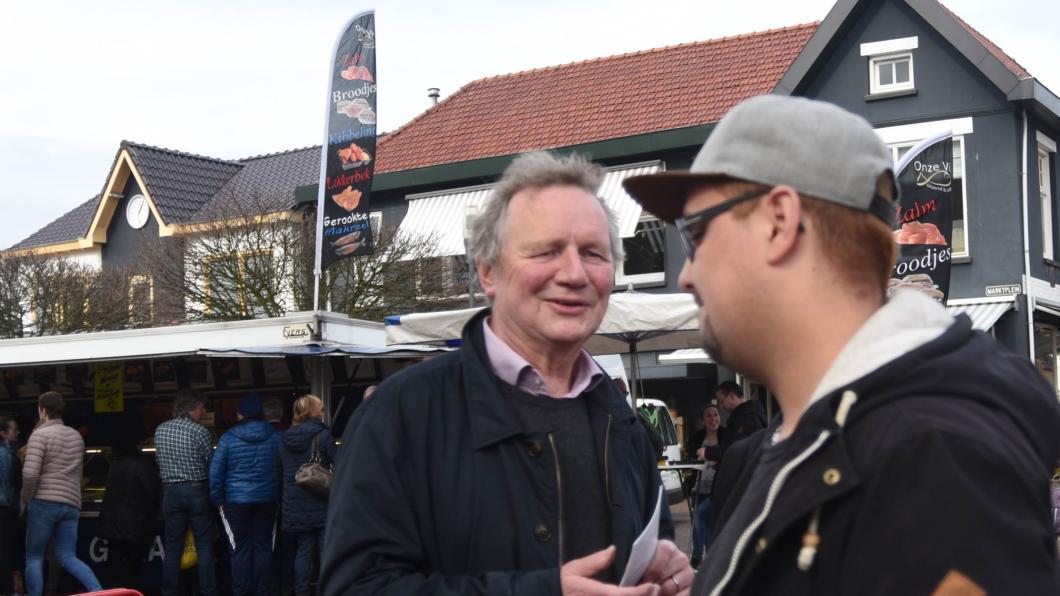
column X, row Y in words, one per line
column 184, row 447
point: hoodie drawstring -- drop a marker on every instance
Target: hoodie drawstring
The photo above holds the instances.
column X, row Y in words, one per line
column 811, row 539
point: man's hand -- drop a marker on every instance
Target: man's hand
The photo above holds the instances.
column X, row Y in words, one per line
column 669, row 569
column 576, row 577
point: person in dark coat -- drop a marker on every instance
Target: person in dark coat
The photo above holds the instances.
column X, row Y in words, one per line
column 9, row 490
column 912, row 453
column 511, row 466
column 245, row 486
column 746, row 416
column 304, row 513
column 128, row 517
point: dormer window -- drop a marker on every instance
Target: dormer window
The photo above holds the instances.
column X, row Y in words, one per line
column 890, row 66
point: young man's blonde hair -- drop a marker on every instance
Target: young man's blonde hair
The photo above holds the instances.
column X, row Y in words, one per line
column 859, row 245
column 308, row 407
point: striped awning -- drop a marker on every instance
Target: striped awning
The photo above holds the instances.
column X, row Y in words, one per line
column 983, row 313
column 442, row 215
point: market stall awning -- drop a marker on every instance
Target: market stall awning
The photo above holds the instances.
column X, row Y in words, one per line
column 293, row 330
column 441, row 215
column 279, row 351
column 650, row 321
column 984, row 312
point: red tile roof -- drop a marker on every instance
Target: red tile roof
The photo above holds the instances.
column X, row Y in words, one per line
column 998, row 53
column 594, row 100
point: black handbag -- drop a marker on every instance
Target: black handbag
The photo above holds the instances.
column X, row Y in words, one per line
column 313, row 475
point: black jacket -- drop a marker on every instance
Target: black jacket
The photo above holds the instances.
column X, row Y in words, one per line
column 302, row 510
column 747, row 419
column 942, row 466
column 130, row 504
column 438, row 490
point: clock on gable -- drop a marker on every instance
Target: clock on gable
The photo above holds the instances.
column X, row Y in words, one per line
column 137, row 212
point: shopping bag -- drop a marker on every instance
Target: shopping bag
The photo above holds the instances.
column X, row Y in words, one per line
column 189, row 558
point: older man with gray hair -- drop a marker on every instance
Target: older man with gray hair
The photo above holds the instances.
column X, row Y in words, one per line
column 511, row 466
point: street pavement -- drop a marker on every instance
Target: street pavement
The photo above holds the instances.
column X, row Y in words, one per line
column 682, row 526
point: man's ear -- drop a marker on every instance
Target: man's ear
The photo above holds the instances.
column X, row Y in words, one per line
column 783, row 211
column 485, row 273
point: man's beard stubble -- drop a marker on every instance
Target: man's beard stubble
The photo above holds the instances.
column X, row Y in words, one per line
column 711, row 344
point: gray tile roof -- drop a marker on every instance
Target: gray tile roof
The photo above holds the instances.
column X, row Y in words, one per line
column 71, row 226
column 265, row 184
column 180, row 183
column 193, row 188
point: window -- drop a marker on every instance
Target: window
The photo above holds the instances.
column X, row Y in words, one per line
column 891, row 73
column 1046, row 149
column 442, row 277
column 231, row 283
column 890, row 64
column 645, row 255
column 959, row 241
column 141, row 299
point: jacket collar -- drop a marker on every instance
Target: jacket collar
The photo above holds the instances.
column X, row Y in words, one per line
column 491, row 419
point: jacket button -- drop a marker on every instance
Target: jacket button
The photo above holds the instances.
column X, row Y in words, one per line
column 534, row 448
column 761, row 545
column 832, row 476
column 541, row 533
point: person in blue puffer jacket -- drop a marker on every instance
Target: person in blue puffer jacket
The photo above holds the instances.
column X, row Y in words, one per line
column 245, row 486
column 304, row 513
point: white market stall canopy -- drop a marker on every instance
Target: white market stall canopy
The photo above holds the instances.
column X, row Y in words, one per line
column 442, row 215
column 646, row 321
column 984, row 313
column 293, row 334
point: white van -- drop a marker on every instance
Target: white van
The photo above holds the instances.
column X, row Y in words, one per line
column 658, row 415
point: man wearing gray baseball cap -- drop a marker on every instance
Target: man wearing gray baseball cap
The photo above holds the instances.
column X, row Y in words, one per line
column 911, row 454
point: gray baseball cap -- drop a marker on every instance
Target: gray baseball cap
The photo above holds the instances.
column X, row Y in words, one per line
column 817, row 148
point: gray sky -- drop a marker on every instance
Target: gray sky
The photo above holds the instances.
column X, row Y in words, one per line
column 234, row 78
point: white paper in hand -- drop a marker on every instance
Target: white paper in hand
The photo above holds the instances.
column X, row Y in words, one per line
column 643, row 548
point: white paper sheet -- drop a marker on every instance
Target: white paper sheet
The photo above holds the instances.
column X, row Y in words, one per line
column 643, row 548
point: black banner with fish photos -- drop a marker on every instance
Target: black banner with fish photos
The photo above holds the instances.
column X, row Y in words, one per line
column 923, row 226
column 347, row 161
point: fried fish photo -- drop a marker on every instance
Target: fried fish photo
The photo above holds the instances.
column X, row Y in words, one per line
column 348, row 199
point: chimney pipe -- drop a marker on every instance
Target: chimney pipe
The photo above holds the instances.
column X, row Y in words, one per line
column 433, row 93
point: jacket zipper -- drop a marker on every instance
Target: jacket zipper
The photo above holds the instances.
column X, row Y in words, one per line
column 607, row 468
column 559, row 494
column 771, row 495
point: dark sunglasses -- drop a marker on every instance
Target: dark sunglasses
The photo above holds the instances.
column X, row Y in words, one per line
column 693, row 228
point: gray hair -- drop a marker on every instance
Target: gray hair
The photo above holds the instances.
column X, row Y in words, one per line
column 187, row 401
column 536, row 171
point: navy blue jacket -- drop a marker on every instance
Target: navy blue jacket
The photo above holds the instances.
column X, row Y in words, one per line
column 439, row 490
column 245, row 467
column 8, row 476
column 302, row 510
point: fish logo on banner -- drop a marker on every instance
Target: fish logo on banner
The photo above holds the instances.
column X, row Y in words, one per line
column 923, row 226
column 347, row 160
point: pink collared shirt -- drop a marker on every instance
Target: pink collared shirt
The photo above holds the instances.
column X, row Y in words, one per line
column 516, row 371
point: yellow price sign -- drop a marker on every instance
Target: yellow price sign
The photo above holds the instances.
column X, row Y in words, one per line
column 108, row 387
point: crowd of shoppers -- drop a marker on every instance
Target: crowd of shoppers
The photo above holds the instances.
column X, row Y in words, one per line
column 247, row 483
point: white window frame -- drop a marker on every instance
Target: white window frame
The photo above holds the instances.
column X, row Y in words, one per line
column 150, row 283
column 896, row 146
column 1046, row 151
column 892, row 51
column 876, row 62
column 642, row 279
